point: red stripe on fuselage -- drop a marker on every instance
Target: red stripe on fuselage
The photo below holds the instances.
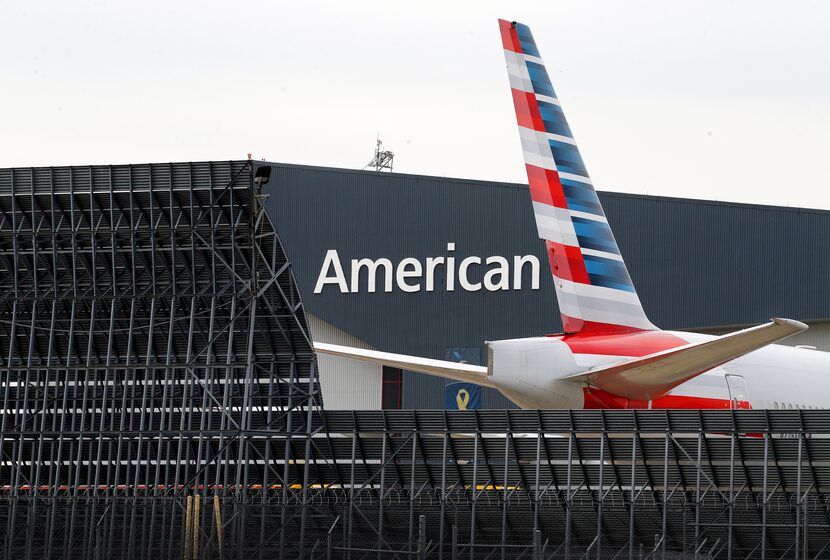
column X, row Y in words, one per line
column 606, row 342
column 596, row 398
column 509, row 36
column 527, row 110
column 545, row 186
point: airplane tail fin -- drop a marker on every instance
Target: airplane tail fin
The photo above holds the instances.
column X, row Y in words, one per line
column 593, row 288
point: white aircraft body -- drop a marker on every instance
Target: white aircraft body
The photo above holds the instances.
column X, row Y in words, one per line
column 610, row 355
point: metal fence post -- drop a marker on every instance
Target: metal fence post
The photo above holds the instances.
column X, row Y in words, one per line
column 455, row 542
column 422, row 537
column 329, row 539
column 537, row 545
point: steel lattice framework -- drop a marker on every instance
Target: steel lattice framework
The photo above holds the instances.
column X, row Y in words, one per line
column 160, row 399
column 149, row 324
column 594, row 484
column 493, row 484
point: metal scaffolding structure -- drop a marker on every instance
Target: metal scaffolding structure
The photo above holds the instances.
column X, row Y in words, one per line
column 150, row 327
column 160, row 401
column 481, row 484
column 585, row 484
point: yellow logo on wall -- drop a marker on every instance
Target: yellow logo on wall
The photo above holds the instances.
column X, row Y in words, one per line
column 462, row 396
column 462, row 399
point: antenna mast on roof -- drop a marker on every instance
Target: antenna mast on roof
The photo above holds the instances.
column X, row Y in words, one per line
column 382, row 160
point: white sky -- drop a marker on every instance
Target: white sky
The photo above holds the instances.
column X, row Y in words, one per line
column 726, row 100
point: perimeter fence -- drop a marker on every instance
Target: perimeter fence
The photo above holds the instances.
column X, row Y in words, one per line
column 477, row 484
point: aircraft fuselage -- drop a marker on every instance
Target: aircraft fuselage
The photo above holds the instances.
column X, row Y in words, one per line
column 773, row 377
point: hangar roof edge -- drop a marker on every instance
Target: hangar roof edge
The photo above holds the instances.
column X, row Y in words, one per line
column 478, row 182
column 507, row 184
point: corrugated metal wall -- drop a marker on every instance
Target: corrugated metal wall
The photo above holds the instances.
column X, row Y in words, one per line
column 696, row 264
column 817, row 335
column 346, row 384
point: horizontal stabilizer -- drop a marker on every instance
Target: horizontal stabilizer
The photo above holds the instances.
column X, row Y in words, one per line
column 452, row 370
column 652, row 376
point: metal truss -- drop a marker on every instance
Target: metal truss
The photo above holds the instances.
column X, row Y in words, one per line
column 150, row 332
column 581, row 484
column 492, row 484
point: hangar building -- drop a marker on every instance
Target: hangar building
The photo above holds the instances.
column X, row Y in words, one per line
column 430, row 243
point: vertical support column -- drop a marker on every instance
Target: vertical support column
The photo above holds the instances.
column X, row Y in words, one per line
column 698, row 468
column 381, row 493
column 663, row 537
column 412, row 479
column 350, row 526
column 568, row 496
column 537, row 545
column 441, row 527
column 600, row 493
column 765, row 499
column 731, row 534
column 798, row 500
column 130, row 370
column 505, row 485
column 6, row 418
column 805, row 524
column 633, row 495
column 185, row 418
column 307, row 455
column 222, row 471
column 474, row 499
column 422, row 537
column 536, row 481
column 287, row 448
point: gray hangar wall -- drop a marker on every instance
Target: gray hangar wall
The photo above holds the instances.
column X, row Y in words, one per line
column 697, row 265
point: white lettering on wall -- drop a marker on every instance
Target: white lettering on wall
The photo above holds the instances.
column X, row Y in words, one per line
column 408, row 268
column 518, row 264
column 411, row 275
column 372, row 274
column 432, row 263
column 450, row 268
column 332, row 260
column 462, row 274
column 502, row 271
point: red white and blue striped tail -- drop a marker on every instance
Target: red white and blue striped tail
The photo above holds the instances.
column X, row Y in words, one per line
column 593, row 288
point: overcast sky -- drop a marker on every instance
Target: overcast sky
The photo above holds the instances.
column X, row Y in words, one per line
column 706, row 99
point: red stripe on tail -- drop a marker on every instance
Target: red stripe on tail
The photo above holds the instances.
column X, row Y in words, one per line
column 509, row 36
column 527, row 110
column 617, row 340
column 545, row 186
column 574, row 326
column 566, row 262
